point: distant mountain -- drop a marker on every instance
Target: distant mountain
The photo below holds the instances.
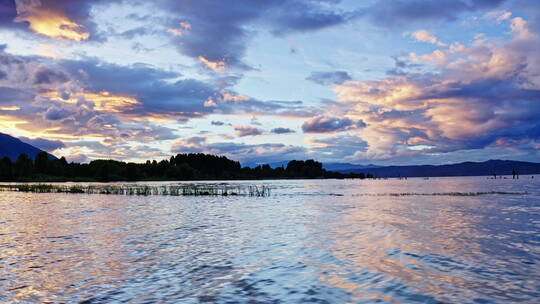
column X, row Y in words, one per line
column 499, row 167
column 273, row 165
column 341, row 167
column 12, row 147
column 346, row 167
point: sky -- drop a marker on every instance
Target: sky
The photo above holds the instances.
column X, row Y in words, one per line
column 365, row 82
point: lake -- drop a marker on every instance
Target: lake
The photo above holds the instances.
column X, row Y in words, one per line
column 310, row 241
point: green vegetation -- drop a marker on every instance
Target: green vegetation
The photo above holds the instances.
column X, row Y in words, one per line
column 193, row 166
column 170, row 190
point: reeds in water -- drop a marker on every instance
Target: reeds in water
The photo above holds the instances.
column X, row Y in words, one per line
column 444, row 193
column 169, row 190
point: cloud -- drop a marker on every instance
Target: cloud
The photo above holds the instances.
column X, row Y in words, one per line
column 48, row 76
column 229, row 102
column 56, row 19
column 216, row 66
column 394, row 13
column 214, row 33
column 116, row 104
column 133, row 90
column 481, row 95
column 499, row 16
column 455, row 98
column 54, row 113
column 8, row 12
column 426, row 36
column 243, row 131
column 337, row 148
column 68, row 99
column 49, row 22
column 217, row 123
column 329, row 78
column 325, row 124
column 282, row 131
column 255, row 121
column 161, row 93
column 82, row 151
column 43, row 144
column 77, row 158
column 219, row 31
column 245, row 153
column 302, row 16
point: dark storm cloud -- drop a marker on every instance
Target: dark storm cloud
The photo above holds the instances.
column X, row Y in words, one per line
column 329, row 78
column 403, row 12
column 325, row 124
column 43, row 144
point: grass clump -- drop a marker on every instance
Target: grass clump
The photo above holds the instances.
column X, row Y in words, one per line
column 444, row 193
column 144, row 190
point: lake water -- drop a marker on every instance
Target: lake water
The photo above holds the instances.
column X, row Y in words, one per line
column 311, row 241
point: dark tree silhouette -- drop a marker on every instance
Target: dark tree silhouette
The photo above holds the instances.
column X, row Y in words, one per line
column 23, row 166
column 6, row 169
column 193, row 166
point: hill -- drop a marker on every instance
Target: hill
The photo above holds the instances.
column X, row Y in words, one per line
column 347, row 167
column 487, row 168
column 12, row 147
column 341, row 167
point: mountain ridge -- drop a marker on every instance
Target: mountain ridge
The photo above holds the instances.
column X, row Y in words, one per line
column 469, row 168
column 331, row 166
column 12, row 147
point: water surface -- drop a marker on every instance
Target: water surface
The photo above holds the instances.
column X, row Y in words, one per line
column 311, row 241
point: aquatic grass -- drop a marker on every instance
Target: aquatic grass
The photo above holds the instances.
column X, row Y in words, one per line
column 145, row 190
column 203, row 190
column 443, row 193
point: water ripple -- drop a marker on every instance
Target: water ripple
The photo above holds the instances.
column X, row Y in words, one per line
column 344, row 241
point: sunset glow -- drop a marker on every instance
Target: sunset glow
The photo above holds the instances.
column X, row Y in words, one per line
column 102, row 101
column 49, row 23
column 458, row 82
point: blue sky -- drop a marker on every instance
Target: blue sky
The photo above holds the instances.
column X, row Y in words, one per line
column 385, row 82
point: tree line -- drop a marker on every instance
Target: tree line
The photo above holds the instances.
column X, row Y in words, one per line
column 192, row 166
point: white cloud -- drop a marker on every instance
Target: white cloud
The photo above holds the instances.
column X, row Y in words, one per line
column 427, row 37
